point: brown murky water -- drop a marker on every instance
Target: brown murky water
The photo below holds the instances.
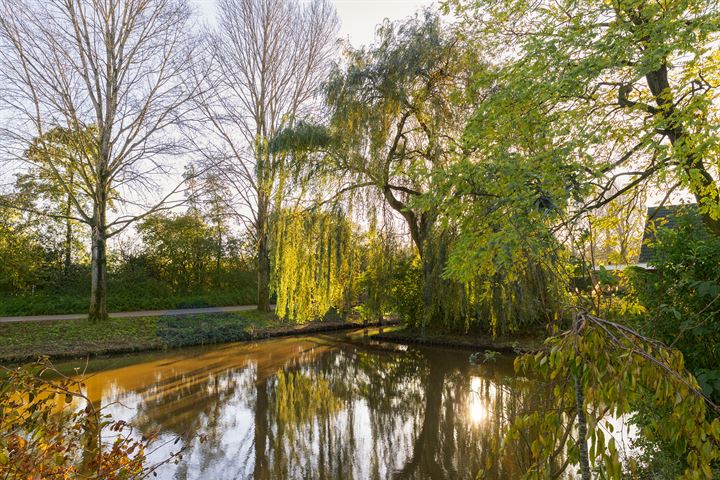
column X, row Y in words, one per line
column 325, row 407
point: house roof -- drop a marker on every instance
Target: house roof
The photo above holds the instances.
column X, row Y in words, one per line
column 661, row 217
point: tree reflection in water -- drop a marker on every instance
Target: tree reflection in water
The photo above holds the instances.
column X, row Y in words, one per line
column 328, row 407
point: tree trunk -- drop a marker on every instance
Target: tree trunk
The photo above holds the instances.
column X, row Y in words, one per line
column 98, row 292
column 263, row 304
column 704, row 187
column 428, row 290
column 67, row 254
column 263, row 259
column 219, row 256
column 582, row 429
column 420, row 227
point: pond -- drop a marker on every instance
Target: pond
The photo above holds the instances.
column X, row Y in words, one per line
column 337, row 406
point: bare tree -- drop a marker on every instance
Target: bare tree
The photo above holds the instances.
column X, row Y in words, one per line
column 117, row 66
column 267, row 61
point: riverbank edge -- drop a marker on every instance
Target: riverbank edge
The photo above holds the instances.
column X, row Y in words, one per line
column 520, row 345
column 253, row 334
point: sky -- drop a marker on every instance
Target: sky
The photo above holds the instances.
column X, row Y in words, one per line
column 358, row 18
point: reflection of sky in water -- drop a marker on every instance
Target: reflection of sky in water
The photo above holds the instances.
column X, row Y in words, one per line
column 328, row 407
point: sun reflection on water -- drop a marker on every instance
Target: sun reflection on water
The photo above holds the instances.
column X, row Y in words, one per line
column 481, row 399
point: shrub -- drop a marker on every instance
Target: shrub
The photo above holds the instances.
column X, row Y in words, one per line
column 199, row 330
column 49, row 429
column 406, row 290
column 682, row 297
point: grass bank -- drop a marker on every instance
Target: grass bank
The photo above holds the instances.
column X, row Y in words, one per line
column 26, row 341
column 514, row 344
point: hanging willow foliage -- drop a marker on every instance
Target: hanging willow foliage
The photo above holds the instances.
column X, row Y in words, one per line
column 527, row 301
column 314, row 263
column 498, row 301
column 380, row 252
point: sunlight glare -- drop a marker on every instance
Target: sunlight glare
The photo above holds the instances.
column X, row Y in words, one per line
column 478, row 402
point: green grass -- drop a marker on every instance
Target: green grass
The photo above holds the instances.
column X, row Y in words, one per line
column 48, row 304
column 23, row 341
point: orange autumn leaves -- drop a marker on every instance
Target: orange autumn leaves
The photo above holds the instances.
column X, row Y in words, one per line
column 49, row 430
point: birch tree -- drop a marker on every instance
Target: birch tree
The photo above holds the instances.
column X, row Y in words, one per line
column 113, row 67
column 267, row 61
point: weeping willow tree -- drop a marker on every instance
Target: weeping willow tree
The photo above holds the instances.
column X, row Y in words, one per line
column 394, row 111
column 314, row 262
column 526, row 300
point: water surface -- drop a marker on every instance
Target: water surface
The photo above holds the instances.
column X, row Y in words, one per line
column 335, row 406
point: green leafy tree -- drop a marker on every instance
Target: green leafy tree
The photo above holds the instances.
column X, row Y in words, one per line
column 598, row 370
column 504, row 208
column 507, row 190
column 614, row 230
column 54, row 181
column 22, row 256
column 208, row 197
column 591, row 93
column 681, row 296
column 629, row 88
column 181, row 250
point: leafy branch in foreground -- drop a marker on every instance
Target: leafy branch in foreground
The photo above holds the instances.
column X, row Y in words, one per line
column 600, row 370
column 49, row 429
